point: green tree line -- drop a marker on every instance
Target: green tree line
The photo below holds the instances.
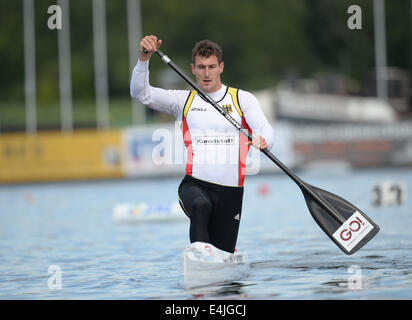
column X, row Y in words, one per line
column 263, row 42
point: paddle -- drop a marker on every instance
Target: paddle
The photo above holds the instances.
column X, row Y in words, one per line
column 346, row 225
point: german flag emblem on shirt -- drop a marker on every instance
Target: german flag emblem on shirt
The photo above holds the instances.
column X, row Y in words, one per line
column 227, row 108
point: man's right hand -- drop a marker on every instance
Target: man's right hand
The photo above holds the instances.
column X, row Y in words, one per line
column 150, row 44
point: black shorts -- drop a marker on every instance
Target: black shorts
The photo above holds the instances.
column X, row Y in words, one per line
column 214, row 211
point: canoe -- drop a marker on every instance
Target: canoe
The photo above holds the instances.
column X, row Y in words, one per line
column 205, row 264
column 147, row 212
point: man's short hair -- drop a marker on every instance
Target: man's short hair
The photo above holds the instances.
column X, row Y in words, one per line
column 207, row 48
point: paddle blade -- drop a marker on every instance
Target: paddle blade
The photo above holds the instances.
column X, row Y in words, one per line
column 351, row 230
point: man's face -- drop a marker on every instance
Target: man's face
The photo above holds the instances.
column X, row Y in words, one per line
column 207, row 72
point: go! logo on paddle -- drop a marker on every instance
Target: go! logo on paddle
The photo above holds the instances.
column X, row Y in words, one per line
column 354, row 226
column 353, row 231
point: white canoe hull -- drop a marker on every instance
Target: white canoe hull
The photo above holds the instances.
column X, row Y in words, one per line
column 204, row 264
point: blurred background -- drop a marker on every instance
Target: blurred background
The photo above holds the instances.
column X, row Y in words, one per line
column 333, row 77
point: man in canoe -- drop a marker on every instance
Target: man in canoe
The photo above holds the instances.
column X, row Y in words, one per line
column 211, row 193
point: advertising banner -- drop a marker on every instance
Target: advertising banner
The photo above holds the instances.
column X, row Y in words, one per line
column 49, row 156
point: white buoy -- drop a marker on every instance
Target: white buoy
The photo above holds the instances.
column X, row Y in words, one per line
column 388, row 193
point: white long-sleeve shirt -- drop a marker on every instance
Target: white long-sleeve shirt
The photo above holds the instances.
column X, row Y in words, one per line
column 216, row 149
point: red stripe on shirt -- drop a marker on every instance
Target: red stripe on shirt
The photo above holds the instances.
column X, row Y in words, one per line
column 243, row 150
column 188, row 143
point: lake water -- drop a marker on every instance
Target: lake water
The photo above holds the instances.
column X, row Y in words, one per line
column 67, row 229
